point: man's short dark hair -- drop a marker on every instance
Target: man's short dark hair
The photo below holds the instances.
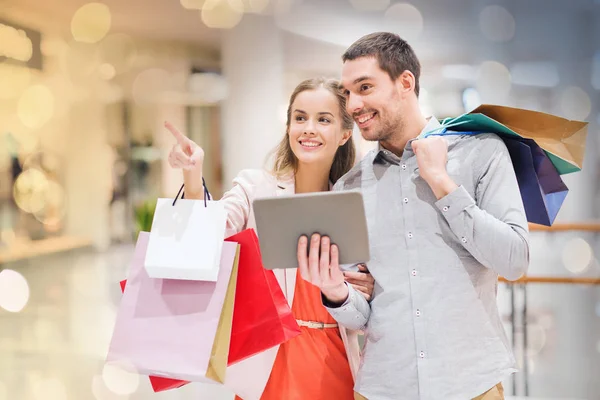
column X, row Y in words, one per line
column 393, row 54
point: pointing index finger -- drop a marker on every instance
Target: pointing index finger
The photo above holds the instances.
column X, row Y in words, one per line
column 180, row 137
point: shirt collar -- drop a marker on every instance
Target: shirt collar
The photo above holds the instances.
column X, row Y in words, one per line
column 380, row 152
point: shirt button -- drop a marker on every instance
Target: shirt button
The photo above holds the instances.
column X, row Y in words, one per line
column 405, row 200
column 464, row 240
column 403, row 166
column 422, row 354
column 445, row 208
column 414, row 272
column 410, row 235
column 418, row 313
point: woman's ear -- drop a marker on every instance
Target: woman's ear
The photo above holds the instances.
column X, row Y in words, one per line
column 345, row 137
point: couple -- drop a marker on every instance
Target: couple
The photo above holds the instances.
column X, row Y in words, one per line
column 445, row 218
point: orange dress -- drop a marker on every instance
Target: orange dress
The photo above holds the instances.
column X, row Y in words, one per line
column 314, row 364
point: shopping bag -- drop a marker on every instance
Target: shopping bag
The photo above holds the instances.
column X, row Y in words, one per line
column 262, row 318
column 159, row 384
column 542, row 189
column 186, row 239
column 562, row 140
column 175, row 329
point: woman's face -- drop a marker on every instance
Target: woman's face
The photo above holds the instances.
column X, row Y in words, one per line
column 315, row 131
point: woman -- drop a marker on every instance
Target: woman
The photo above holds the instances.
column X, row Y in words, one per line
column 316, row 151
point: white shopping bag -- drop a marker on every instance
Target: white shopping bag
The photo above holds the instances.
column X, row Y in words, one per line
column 186, row 240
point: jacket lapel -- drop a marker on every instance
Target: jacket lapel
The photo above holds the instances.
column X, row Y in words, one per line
column 286, row 277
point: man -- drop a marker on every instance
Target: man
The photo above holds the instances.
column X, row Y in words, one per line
column 445, row 217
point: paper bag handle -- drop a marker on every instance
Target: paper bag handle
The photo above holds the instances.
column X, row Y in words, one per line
column 182, row 193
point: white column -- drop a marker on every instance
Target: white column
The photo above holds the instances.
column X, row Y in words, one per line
column 88, row 179
column 252, row 60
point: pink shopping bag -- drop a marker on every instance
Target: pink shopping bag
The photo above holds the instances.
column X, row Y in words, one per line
column 175, row 328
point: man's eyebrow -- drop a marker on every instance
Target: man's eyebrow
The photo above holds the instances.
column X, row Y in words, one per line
column 357, row 80
column 361, row 79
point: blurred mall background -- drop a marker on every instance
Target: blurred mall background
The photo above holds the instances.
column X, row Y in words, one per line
column 85, row 88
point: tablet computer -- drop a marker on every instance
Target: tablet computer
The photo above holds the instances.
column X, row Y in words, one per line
column 280, row 221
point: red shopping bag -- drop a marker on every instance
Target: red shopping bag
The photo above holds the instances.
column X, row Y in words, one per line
column 158, row 383
column 262, row 317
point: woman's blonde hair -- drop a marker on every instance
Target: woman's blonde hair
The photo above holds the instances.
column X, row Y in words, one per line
column 285, row 160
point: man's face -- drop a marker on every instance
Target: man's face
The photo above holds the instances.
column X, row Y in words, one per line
column 373, row 99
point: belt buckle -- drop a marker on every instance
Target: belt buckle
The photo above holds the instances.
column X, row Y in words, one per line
column 317, row 325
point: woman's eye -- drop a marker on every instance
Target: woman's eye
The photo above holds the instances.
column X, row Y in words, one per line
column 325, row 120
column 300, row 118
column 365, row 87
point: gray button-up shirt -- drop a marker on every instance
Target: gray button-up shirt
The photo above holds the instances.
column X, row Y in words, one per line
column 433, row 330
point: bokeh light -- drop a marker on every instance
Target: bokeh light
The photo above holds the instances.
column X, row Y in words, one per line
column 107, row 71
column 370, row 5
column 471, row 99
column 15, row 43
column 405, row 20
column 493, row 81
column 531, row 365
column 535, row 73
column 221, row 14
column 237, row 5
column 14, row 290
column 13, row 80
column 91, row 22
column 577, row 255
column 119, row 380
column 29, row 190
column 54, row 206
column 257, row 6
column 101, row 392
column 537, row 337
column 497, row 24
column 36, row 106
column 192, row 4
column 575, row 103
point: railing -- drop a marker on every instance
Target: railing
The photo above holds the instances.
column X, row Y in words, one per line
column 526, row 280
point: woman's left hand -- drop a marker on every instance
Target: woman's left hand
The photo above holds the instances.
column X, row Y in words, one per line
column 362, row 281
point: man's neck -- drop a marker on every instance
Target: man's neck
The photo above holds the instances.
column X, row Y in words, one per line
column 414, row 124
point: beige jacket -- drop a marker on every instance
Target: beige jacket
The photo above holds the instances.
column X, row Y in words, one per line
column 248, row 378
